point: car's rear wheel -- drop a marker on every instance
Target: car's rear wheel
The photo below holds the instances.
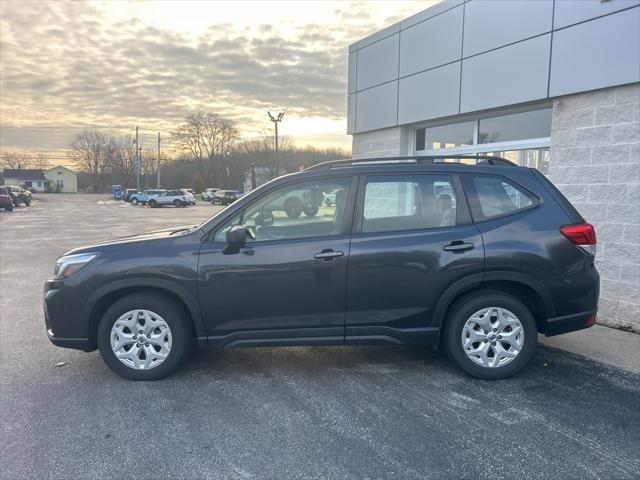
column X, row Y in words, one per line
column 153, row 203
column 144, row 337
column 134, row 201
column 490, row 335
column 177, row 203
column 9, row 208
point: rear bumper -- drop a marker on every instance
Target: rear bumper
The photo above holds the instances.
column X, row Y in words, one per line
column 570, row 323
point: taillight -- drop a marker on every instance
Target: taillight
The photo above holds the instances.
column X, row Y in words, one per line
column 582, row 234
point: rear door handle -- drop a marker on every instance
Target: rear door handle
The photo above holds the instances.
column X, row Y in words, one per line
column 328, row 254
column 458, row 246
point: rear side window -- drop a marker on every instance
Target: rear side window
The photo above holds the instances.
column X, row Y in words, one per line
column 408, row 203
column 497, row 196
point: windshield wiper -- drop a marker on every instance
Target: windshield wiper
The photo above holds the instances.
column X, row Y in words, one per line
column 184, row 229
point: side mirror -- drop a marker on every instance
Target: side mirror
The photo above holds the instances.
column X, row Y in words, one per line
column 237, row 236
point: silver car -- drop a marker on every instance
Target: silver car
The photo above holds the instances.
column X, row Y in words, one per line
column 177, row 198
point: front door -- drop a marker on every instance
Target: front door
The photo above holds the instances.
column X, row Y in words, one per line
column 288, row 284
column 413, row 238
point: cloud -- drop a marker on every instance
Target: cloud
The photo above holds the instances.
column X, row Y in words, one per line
column 68, row 64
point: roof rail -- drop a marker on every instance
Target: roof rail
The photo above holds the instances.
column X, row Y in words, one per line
column 415, row 159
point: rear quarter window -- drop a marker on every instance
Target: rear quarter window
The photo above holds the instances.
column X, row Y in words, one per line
column 496, row 196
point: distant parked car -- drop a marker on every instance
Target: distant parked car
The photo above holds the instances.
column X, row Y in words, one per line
column 190, row 196
column 225, row 197
column 145, row 196
column 19, row 195
column 129, row 192
column 306, row 201
column 6, row 200
column 177, row 198
column 207, row 194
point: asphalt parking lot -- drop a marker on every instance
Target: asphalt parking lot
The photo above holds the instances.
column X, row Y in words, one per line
column 335, row 412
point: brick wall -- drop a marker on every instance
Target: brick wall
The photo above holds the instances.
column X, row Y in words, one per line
column 387, row 142
column 595, row 162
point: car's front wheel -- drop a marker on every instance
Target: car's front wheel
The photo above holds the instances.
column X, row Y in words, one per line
column 134, row 200
column 144, row 337
column 490, row 335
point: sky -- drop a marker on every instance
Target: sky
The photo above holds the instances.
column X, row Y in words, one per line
column 111, row 65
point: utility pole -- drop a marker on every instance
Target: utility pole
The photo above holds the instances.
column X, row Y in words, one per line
column 277, row 119
column 137, row 161
column 158, row 161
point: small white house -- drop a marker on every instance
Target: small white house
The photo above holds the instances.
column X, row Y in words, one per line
column 62, row 179
column 30, row 179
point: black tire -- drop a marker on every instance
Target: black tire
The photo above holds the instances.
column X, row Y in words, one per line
column 472, row 303
column 177, row 203
column 293, row 208
column 9, row 208
column 153, row 203
column 27, row 203
column 173, row 315
column 311, row 211
column 134, row 201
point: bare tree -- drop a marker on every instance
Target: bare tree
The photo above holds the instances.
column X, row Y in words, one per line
column 39, row 161
column 15, row 160
column 207, row 138
column 124, row 156
column 95, row 153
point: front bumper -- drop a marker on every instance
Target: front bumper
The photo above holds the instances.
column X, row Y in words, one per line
column 75, row 343
column 570, row 323
column 64, row 303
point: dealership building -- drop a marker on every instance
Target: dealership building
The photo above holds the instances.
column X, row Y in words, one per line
column 550, row 84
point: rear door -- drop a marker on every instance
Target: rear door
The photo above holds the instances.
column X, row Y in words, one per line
column 412, row 239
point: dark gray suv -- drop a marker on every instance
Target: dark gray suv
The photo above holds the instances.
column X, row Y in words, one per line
column 424, row 250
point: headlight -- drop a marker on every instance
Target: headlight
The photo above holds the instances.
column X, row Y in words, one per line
column 70, row 264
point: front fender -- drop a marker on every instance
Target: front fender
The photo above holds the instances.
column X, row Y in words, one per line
column 188, row 298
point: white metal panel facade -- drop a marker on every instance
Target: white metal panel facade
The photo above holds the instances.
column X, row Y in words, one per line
column 515, row 51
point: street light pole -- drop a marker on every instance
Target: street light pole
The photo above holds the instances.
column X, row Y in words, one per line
column 137, row 164
column 277, row 119
column 158, row 161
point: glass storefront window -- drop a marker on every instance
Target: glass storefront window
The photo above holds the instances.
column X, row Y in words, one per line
column 535, row 158
column 518, row 126
column 445, row 136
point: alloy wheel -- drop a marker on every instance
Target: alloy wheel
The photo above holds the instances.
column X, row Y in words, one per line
column 141, row 339
column 492, row 337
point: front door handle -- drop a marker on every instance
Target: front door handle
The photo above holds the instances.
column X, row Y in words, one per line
column 328, row 254
column 458, row 246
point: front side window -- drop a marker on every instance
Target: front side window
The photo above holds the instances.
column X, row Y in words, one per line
column 408, row 203
column 497, row 196
column 299, row 210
